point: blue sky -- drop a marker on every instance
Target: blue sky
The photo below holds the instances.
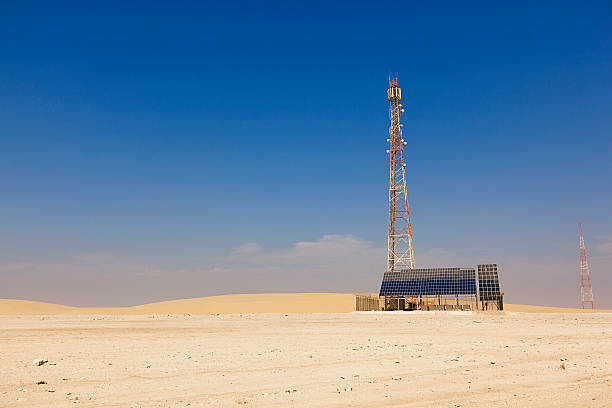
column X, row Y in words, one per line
column 157, row 151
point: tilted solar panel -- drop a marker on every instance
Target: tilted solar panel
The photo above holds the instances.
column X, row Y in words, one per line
column 488, row 282
column 429, row 281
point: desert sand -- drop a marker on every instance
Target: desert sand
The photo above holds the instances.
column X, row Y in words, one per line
column 173, row 354
column 232, row 304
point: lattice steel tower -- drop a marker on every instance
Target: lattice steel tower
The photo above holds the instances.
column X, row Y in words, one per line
column 400, row 254
column 586, row 291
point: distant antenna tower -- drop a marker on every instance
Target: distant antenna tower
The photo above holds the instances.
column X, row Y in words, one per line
column 586, row 291
column 400, row 254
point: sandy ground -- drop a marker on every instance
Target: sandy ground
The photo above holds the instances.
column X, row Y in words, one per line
column 233, row 304
column 360, row 359
column 253, row 303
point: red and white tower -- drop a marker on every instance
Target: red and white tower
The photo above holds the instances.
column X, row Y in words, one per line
column 586, row 291
column 400, row 254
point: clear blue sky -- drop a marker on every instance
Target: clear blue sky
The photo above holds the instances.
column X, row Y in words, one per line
column 154, row 151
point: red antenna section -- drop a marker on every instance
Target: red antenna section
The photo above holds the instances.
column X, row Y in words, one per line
column 586, row 291
column 400, row 254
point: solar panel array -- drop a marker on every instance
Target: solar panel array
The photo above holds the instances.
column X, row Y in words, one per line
column 488, row 282
column 429, row 281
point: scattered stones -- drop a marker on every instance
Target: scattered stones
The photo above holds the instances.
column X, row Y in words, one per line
column 396, row 378
column 39, row 361
column 23, row 389
column 348, row 388
column 291, row 390
column 242, row 401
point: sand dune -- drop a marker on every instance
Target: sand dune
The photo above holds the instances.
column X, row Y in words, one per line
column 550, row 309
column 224, row 304
column 229, row 304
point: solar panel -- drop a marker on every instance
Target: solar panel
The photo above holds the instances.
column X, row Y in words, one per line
column 488, row 282
column 429, row 281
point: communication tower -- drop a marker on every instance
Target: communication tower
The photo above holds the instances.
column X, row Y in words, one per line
column 400, row 254
column 586, row 291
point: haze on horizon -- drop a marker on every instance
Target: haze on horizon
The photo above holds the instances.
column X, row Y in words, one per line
column 154, row 151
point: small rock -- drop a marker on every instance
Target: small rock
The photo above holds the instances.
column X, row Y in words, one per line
column 396, row 378
column 242, row 401
column 349, row 388
column 50, row 390
column 492, row 362
column 356, row 375
column 39, row 361
column 562, row 366
column 291, row 390
column 41, row 382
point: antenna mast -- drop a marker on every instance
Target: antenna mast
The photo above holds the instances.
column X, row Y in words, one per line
column 586, row 291
column 400, row 254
